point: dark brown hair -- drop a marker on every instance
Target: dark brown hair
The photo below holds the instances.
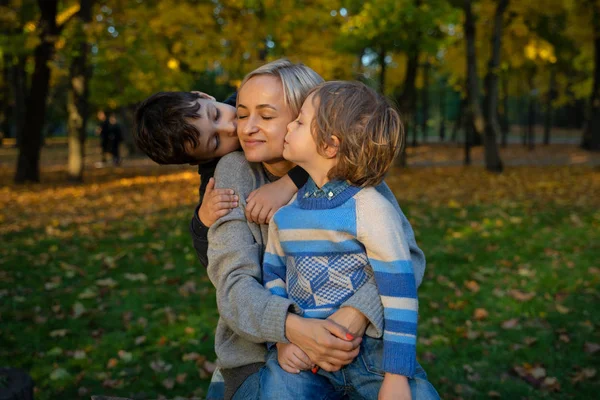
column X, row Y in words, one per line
column 368, row 128
column 162, row 129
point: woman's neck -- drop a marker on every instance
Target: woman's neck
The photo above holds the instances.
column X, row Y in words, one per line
column 278, row 168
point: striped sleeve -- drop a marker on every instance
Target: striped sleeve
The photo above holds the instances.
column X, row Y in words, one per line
column 379, row 229
column 274, row 263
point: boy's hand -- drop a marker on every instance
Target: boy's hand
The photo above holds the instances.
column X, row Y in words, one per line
column 394, row 387
column 351, row 319
column 266, row 200
column 292, row 359
column 216, row 203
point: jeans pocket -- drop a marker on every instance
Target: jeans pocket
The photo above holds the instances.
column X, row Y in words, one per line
column 371, row 354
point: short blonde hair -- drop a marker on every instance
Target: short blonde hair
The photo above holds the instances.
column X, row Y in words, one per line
column 297, row 80
column 369, row 130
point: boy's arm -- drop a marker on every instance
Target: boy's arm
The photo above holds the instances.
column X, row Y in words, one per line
column 274, row 264
column 379, row 229
column 264, row 202
column 416, row 254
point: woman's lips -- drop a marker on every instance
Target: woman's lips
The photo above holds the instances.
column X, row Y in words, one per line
column 253, row 143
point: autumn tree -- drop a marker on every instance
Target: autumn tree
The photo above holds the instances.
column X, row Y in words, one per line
column 591, row 135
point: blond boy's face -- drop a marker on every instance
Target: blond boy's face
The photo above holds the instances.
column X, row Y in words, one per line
column 299, row 145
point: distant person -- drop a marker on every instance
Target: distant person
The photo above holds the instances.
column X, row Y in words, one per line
column 115, row 137
column 102, row 131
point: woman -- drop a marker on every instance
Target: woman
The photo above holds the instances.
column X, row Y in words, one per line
column 269, row 98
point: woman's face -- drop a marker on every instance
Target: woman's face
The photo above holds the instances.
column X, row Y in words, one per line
column 262, row 119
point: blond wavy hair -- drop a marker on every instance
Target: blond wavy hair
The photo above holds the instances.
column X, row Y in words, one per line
column 369, row 130
column 297, row 80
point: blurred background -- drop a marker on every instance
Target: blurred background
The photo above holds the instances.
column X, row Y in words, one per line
column 100, row 289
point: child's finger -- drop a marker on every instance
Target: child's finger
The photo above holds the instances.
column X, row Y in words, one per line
column 251, row 195
column 301, row 363
column 209, row 187
column 262, row 215
column 289, row 368
column 255, row 213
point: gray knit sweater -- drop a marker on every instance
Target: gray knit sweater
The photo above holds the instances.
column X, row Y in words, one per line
column 249, row 314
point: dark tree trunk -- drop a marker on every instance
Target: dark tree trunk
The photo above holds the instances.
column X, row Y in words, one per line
column 474, row 114
column 382, row 55
column 415, row 122
column 442, row 129
column 78, row 94
column 504, row 121
column 407, row 100
column 28, row 168
column 493, row 162
column 531, row 114
column 468, row 136
column 549, row 107
column 462, row 110
column 425, row 100
column 591, row 133
column 19, row 88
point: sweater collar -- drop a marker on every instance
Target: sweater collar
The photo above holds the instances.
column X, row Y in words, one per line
column 331, row 195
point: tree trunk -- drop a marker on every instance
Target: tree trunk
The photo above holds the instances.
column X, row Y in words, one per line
column 504, row 121
column 407, row 100
column 382, row 55
column 28, row 168
column 531, row 114
column 462, row 110
column 474, row 114
column 19, row 88
column 591, row 134
column 493, row 162
column 549, row 108
column 442, row 129
column 78, row 94
column 425, row 100
column 415, row 121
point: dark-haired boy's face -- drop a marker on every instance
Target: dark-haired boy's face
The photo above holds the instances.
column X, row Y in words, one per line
column 217, row 125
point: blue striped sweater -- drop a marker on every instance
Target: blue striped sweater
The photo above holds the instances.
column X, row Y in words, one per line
column 320, row 251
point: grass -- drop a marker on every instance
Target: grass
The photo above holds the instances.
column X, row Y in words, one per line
column 101, row 292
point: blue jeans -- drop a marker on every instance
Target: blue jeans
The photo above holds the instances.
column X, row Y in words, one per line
column 249, row 390
column 361, row 379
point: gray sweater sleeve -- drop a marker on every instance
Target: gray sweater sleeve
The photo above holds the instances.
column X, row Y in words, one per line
column 235, row 260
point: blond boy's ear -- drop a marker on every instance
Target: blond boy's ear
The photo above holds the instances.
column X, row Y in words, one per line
column 331, row 149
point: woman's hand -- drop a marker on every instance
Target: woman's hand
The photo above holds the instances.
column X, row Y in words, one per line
column 292, row 359
column 351, row 319
column 216, row 203
column 327, row 344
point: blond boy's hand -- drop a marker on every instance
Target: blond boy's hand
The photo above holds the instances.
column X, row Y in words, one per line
column 292, row 359
column 351, row 319
column 394, row 387
column 262, row 203
column 216, row 203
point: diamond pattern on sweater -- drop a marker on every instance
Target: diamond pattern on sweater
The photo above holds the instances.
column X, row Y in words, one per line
column 326, row 280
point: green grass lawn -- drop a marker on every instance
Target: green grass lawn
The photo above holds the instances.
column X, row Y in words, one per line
column 508, row 307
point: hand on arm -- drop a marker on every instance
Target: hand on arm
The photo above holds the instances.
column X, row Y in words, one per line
column 263, row 202
column 327, row 344
column 216, row 203
column 351, row 319
column 394, row 387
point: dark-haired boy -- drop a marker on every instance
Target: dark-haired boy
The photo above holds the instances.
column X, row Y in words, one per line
column 193, row 128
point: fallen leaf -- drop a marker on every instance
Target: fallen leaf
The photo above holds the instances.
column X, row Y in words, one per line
column 551, row 384
column 209, row 367
column 108, row 282
column 169, row 383
column 562, row 309
column 189, row 330
column 59, row 373
column 113, row 362
column 521, row 296
column 140, row 339
column 511, row 323
column 473, row 286
column 591, row 348
column 492, row 393
column 59, row 333
column 125, row 355
column 181, row 378
column 78, row 310
column 480, row 313
column 140, row 277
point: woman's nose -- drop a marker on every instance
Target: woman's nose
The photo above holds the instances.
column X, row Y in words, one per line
column 249, row 126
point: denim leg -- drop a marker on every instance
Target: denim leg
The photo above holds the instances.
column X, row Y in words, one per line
column 365, row 374
column 277, row 384
column 216, row 389
column 250, row 388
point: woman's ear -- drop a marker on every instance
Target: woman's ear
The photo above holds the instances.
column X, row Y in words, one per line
column 331, row 149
